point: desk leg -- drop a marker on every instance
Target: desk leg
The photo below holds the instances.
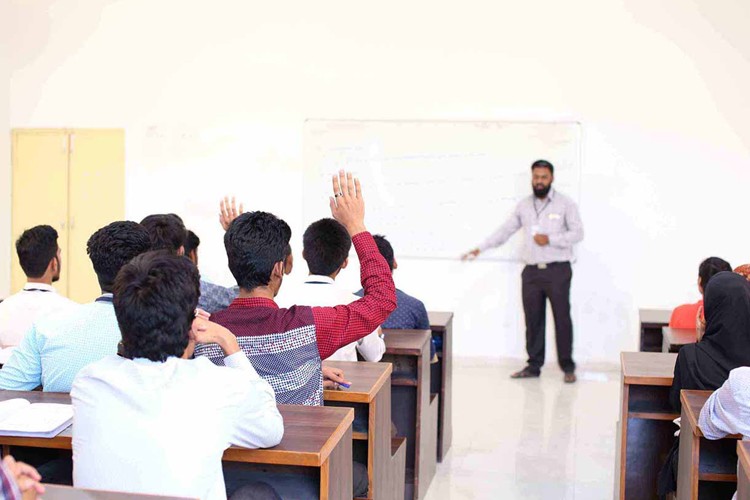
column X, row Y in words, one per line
column 379, row 449
column 687, row 471
column 336, row 471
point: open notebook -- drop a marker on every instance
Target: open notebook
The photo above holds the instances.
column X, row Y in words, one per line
column 20, row 418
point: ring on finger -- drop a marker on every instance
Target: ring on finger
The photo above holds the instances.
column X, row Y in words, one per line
column 338, row 194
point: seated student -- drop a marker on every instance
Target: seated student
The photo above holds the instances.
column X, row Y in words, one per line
column 725, row 346
column 325, row 248
column 286, row 345
column 168, row 233
column 39, row 256
column 156, row 421
column 744, row 271
column 19, row 480
column 726, row 410
column 410, row 314
column 691, row 315
column 57, row 347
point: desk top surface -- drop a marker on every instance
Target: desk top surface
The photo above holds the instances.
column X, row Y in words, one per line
column 655, row 316
column 680, row 336
column 367, row 380
column 310, row 432
column 439, row 319
column 56, row 492
column 692, row 404
column 648, row 368
column 408, row 342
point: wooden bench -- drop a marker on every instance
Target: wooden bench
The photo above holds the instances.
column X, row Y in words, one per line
column 674, row 339
column 370, row 398
column 743, row 470
column 55, row 492
column 441, row 324
column 652, row 321
column 317, row 443
column 707, row 469
column 414, row 410
column 645, row 430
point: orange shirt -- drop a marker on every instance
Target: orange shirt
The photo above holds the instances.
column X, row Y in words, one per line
column 685, row 316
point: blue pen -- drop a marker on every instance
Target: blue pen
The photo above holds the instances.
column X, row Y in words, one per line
column 342, row 384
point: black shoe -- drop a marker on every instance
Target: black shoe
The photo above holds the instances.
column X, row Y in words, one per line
column 527, row 372
column 570, row 378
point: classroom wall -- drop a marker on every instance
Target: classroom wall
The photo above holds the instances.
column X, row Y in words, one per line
column 4, row 148
column 660, row 88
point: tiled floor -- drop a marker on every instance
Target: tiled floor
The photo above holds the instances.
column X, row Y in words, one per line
column 529, row 439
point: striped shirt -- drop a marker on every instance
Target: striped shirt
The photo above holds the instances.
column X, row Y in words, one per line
column 286, row 345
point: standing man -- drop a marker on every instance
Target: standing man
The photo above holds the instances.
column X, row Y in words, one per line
column 552, row 226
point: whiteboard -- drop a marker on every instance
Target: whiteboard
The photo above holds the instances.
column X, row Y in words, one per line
column 437, row 189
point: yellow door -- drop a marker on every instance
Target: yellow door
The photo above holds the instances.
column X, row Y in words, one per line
column 97, row 197
column 40, row 193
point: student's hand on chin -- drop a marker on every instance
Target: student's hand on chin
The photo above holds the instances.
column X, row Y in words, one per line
column 347, row 203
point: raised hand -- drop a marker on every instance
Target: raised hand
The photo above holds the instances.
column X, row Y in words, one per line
column 228, row 211
column 347, row 203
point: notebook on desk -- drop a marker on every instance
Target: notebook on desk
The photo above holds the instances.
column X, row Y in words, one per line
column 20, row 418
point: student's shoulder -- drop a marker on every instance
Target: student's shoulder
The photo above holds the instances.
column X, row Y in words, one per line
column 101, row 368
column 409, row 300
column 739, row 381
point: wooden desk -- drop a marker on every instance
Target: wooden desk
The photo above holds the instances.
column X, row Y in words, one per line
column 315, row 437
column 414, row 409
column 645, row 430
column 675, row 339
column 652, row 321
column 707, row 469
column 55, row 492
column 370, row 397
column 743, row 470
column 441, row 378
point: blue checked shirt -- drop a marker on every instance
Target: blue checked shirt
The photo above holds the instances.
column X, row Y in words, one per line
column 216, row 297
column 58, row 346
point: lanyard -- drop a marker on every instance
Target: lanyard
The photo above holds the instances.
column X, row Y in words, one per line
column 541, row 210
column 316, row 283
column 104, row 298
column 35, row 290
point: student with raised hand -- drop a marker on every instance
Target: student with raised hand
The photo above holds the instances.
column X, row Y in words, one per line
column 325, row 248
column 692, row 315
column 57, row 347
column 286, row 345
column 410, row 314
column 41, row 261
column 169, row 417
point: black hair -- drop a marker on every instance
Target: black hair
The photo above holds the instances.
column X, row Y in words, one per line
column 385, row 249
column 113, row 246
column 543, row 164
column 255, row 242
column 711, row 267
column 326, row 244
column 36, row 247
column 155, row 296
column 167, row 231
column 191, row 242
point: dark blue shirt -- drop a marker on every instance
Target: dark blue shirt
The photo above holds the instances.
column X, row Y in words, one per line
column 410, row 314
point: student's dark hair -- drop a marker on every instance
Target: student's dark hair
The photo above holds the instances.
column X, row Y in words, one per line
column 167, row 231
column 155, row 296
column 543, row 164
column 191, row 242
column 385, row 249
column 255, row 242
column 113, row 246
column 711, row 267
column 36, row 247
column 326, row 244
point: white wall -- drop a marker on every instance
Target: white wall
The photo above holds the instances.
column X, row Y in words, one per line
column 4, row 148
column 661, row 90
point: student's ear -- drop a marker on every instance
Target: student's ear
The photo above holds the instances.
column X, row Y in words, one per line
column 395, row 264
column 181, row 251
column 289, row 264
column 278, row 270
column 700, row 285
column 346, row 263
column 193, row 255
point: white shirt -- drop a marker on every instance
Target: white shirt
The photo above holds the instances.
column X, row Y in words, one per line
column 19, row 311
column 161, row 427
column 323, row 291
column 727, row 410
